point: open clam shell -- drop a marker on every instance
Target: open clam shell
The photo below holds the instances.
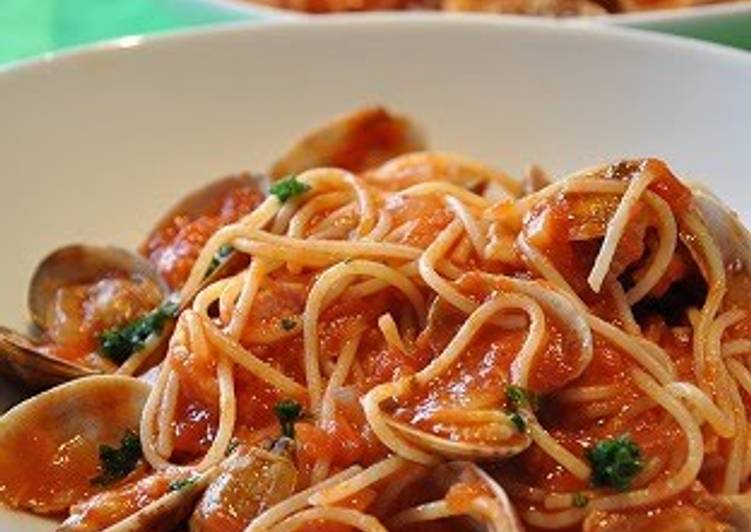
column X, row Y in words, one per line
column 206, row 199
column 23, row 361
column 463, row 450
column 49, row 444
column 250, row 481
column 730, row 234
column 112, row 285
column 81, row 264
column 357, row 141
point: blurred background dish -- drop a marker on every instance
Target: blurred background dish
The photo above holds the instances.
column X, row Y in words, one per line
column 29, row 29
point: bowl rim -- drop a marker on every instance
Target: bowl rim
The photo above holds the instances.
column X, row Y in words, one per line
column 419, row 21
column 655, row 16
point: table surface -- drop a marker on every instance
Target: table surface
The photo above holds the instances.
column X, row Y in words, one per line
column 29, row 28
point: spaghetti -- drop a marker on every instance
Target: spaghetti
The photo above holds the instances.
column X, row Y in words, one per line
column 439, row 350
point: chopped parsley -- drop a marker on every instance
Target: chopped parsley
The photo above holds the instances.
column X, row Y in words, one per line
column 518, row 422
column 580, row 500
column 615, row 462
column 288, row 188
column 288, row 324
column 234, row 443
column 119, row 344
column 219, row 257
column 288, row 411
column 118, row 462
column 181, row 484
column 518, row 397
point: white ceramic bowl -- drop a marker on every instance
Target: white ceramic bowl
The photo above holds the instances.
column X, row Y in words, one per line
column 95, row 144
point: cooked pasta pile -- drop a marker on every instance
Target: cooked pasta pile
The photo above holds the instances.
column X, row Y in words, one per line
column 419, row 342
column 402, row 306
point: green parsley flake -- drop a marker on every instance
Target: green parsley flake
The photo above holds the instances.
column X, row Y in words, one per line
column 181, row 484
column 580, row 500
column 615, row 462
column 288, row 188
column 288, row 411
column 119, row 344
column 518, row 422
column 219, row 257
column 518, row 397
column 288, row 324
column 118, row 462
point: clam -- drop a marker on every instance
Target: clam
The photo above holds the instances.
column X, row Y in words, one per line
column 487, row 509
column 357, row 141
column 731, row 236
column 224, row 200
column 160, row 501
column 77, row 293
column 249, row 482
column 50, row 444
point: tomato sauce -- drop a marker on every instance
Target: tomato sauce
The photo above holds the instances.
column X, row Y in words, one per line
column 175, row 246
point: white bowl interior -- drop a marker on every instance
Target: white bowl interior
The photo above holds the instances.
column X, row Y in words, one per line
column 95, row 145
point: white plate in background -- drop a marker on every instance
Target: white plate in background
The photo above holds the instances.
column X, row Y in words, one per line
column 94, row 145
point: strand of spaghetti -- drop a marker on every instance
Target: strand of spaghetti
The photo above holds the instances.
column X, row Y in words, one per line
column 429, row 511
column 315, row 301
column 736, row 462
column 262, row 215
column 554, row 520
column 722, row 424
column 345, row 516
column 264, row 371
column 555, row 450
column 338, row 377
column 227, row 298
column 617, row 226
column 333, row 249
column 663, row 488
column 297, row 223
column 177, row 344
column 462, row 194
column 713, row 357
column 585, row 394
column 371, row 404
column 381, row 228
column 426, row 265
column 351, row 486
column 213, row 292
column 545, row 267
column 667, row 237
column 471, row 225
column 328, row 402
column 284, row 215
column 463, row 415
column 472, row 325
column 594, row 185
column 364, row 199
column 633, row 348
column 135, row 361
column 704, row 251
column 736, row 347
column 251, row 284
column 299, row 500
column 165, row 415
column 390, row 332
column 625, row 314
column 227, row 400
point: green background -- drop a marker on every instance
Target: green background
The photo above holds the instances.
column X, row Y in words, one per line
column 32, row 27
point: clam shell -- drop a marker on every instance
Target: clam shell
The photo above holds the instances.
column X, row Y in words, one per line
column 81, row 415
